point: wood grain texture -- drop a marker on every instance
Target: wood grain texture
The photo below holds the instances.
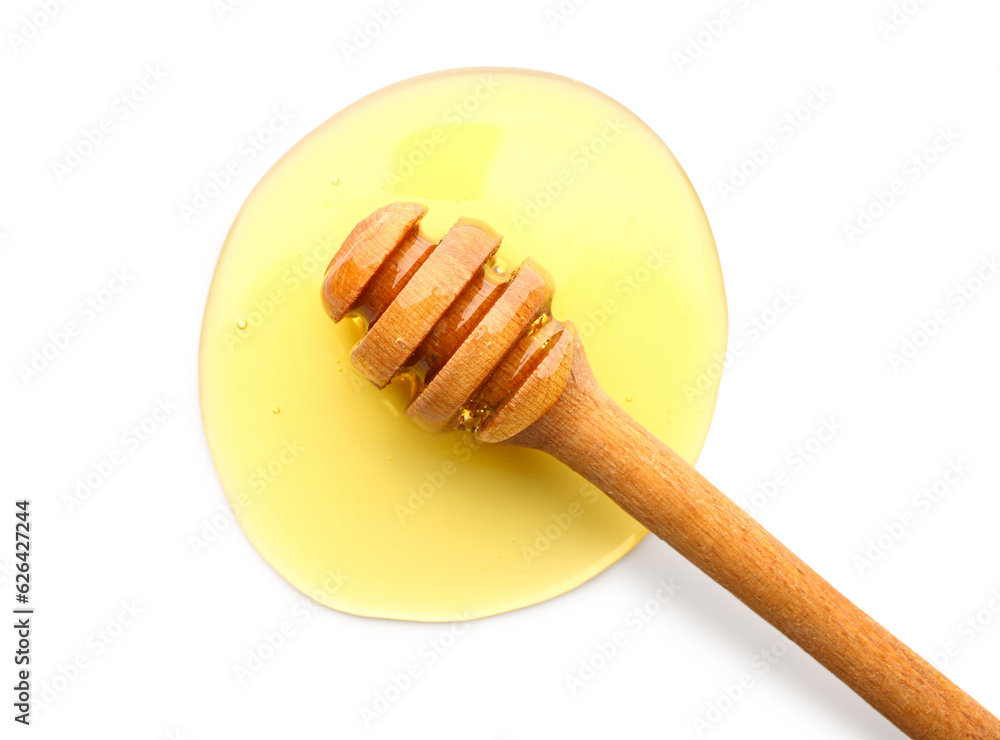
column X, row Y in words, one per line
column 587, row 431
column 363, row 252
column 468, row 367
column 517, row 403
column 422, row 302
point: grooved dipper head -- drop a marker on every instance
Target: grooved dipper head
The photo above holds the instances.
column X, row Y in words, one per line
column 482, row 345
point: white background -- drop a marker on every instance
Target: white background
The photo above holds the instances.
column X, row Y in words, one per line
column 170, row 672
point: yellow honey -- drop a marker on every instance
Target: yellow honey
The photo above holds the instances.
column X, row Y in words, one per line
column 350, row 501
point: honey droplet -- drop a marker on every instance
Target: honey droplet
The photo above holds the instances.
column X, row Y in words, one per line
column 241, row 325
column 498, row 266
column 276, row 410
column 335, row 181
column 628, row 399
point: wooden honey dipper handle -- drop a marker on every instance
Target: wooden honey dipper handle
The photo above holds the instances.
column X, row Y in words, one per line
column 590, row 433
column 486, row 355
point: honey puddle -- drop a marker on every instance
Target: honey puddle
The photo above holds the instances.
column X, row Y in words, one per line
column 339, row 491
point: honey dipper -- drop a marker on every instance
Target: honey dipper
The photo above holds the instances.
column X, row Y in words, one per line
column 487, row 356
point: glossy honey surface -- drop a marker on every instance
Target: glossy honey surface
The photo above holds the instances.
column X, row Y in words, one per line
column 339, row 491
